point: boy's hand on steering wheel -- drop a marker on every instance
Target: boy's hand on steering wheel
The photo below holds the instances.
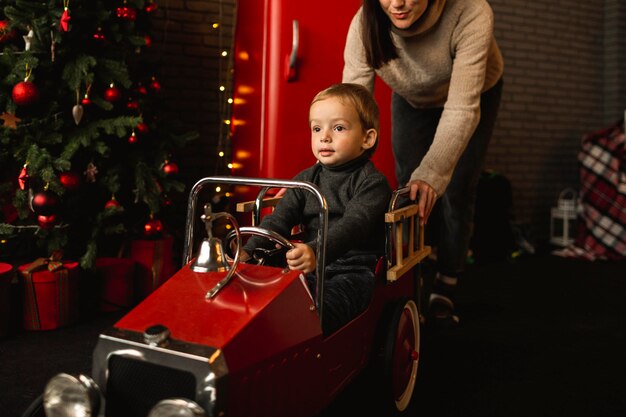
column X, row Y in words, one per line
column 244, row 256
column 302, row 258
column 427, row 198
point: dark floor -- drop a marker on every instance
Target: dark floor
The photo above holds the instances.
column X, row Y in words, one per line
column 542, row 336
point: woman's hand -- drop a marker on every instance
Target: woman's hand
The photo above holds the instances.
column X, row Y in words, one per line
column 427, row 198
column 302, row 258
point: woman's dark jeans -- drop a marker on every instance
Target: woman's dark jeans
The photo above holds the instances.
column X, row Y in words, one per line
column 412, row 134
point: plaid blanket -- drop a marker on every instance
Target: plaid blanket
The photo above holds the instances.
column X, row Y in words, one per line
column 601, row 230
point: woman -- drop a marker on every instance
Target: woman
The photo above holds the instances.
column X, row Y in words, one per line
column 444, row 67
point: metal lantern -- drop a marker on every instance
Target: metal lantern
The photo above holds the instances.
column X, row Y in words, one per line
column 563, row 218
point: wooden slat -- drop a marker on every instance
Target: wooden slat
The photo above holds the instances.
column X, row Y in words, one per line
column 400, row 214
column 398, row 231
column 398, row 270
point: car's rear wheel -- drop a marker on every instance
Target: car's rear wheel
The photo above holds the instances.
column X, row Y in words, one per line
column 401, row 354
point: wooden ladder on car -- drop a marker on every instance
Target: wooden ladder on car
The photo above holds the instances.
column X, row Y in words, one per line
column 404, row 257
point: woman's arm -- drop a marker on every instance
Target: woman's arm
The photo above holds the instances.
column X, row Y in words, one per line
column 356, row 69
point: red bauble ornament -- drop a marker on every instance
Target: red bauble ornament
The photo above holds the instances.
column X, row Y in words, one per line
column 170, row 168
column 153, row 227
column 86, row 101
column 25, row 93
column 150, row 7
column 126, row 13
column 46, row 222
column 132, row 104
column 155, row 85
column 142, row 128
column 112, row 203
column 141, row 89
column 148, row 41
column 132, row 138
column 45, row 203
column 167, row 202
column 112, row 94
column 70, row 180
column 99, row 36
column 6, row 33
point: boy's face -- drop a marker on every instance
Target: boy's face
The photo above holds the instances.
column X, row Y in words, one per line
column 337, row 136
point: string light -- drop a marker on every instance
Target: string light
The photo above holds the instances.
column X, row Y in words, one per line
column 225, row 86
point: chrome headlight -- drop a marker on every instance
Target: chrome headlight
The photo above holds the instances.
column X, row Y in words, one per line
column 176, row 407
column 69, row 396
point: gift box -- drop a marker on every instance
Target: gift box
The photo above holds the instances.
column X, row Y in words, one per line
column 117, row 277
column 51, row 291
column 155, row 264
column 6, row 277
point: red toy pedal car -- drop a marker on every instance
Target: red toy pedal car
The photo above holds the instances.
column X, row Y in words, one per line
column 223, row 338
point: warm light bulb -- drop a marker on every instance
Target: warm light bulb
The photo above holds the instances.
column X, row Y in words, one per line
column 230, row 166
column 218, row 189
column 224, row 53
column 216, row 25
column 221, row 154
column 222, row 88
column 227, row 122
column 230, row 101
column 228, row 194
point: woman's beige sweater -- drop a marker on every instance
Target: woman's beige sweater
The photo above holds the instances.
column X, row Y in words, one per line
column 448, row 64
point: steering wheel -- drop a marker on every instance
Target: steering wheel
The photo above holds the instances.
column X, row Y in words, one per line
column 261, row 255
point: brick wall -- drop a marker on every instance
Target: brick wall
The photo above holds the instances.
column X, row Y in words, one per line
column 565, row 76
column 614, row 59
column 187, row 48
column 562, row 79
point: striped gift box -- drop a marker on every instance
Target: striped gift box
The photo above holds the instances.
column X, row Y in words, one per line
column 50, row 295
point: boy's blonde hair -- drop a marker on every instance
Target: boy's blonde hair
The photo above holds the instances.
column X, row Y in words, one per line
column 362, row 101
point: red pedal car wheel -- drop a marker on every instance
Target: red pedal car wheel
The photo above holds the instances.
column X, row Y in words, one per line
column 402, row 353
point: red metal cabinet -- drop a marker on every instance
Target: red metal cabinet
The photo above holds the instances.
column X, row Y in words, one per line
column 271, row 137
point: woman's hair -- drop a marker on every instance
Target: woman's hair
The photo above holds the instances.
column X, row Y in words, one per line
column 362, row 100
column 376, row 34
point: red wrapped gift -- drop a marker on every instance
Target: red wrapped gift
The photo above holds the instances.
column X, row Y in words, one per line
column 155, row 264
column 50, row 293
column 117, row 282
column 6, row 276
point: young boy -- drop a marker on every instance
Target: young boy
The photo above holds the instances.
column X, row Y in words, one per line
column 344, row 120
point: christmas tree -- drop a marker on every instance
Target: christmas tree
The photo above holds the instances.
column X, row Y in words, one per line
column 85, row 159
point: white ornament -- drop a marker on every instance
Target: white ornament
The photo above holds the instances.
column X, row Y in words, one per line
column 77, row 112
column 28, row 39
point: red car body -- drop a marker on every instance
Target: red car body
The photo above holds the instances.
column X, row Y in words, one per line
column 255, row 347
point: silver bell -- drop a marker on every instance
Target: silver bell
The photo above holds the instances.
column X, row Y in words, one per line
column 212, row 257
